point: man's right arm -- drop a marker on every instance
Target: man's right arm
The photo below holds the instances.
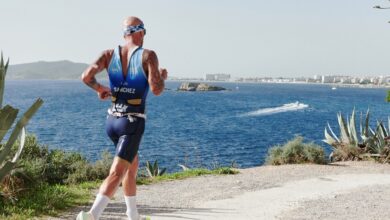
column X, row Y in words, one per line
column 156, row 76
column 88, row 75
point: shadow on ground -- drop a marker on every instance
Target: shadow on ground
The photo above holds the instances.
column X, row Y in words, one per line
column 116, row 211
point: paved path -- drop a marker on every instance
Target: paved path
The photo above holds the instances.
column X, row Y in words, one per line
column 350, row 190
column 268, row 204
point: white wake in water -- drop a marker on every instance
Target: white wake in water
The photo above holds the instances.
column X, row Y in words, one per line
column 284, row 108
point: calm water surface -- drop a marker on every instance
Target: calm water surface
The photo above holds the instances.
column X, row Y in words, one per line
column 195, row 128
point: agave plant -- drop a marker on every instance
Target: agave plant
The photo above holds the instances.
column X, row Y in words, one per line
column 369, row 142
column 184, row 167
column 154, row 170
column 348, row 134
column 376, row 141
column 8, row 115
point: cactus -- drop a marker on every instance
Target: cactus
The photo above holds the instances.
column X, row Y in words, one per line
column 8, row 115
column 154, row 170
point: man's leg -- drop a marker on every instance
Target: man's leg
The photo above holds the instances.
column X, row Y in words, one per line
column 129, row 180
column 129, row 188
column 117, row 172
column 108, row 188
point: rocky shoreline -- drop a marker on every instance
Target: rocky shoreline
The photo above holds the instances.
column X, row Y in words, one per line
column 192, row 86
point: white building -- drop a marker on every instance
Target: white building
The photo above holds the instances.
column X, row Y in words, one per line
column 210, row 77
column 327, row 79
column 300, row 79
column 386, row 80
column 218, row 77
column 346, row 80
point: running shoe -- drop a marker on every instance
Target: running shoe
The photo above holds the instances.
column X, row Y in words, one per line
column 84, row 216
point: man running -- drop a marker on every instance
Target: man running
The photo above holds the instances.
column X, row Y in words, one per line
column 131, row 70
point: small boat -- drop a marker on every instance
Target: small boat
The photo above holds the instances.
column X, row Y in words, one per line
column 334, row 88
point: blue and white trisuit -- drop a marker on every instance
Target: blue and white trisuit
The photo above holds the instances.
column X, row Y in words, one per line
column 126, row 117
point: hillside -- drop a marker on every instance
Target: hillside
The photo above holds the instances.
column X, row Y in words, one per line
column 56, row 70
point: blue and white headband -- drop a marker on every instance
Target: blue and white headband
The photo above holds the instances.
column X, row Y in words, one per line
column 132, row 29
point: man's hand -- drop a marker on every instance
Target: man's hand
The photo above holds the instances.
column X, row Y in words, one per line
column 104, row 92
column 163, row 73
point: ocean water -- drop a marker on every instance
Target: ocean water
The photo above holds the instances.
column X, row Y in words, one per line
column 196, row 128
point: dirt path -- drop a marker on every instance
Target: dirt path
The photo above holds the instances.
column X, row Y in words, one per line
column 351, row 190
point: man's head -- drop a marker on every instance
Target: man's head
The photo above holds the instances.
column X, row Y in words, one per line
column 133, row 30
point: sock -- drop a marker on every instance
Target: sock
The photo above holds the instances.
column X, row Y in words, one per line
column 131, row 205
column 99, row 205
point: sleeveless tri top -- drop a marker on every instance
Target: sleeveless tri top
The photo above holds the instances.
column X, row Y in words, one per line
column 128, row 93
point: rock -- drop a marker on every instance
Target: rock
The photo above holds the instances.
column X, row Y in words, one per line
column 198, row 87
column 188, row 86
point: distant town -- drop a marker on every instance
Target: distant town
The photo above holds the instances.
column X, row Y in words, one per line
column 68, row 70
column 372, row 81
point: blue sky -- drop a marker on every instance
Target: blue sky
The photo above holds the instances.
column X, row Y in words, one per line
column 194, row 37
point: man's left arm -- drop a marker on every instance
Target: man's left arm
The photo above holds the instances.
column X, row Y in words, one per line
column 156, row 75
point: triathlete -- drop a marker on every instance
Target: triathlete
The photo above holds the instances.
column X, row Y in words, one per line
column 132, row 70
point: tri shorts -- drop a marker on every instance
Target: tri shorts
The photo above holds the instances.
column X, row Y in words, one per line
column 126, row 134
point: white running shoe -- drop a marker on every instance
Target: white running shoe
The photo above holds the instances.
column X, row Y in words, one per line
column 84, row 216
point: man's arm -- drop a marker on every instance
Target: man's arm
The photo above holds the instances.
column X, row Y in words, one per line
column 89, row 79
column 156, row 76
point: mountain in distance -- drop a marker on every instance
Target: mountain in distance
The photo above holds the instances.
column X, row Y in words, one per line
column 53, row 70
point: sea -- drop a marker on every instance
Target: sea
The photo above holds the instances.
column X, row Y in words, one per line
column 197, row 129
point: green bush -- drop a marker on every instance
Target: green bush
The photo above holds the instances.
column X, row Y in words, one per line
column 39, row 165
column 46, row 200
column 314, row 153
column 34, row 169
column 101, row 168
column 44, row 178
column 83, row 171
column 60, row 167
column 296, row 152
column 347, row 153
column 32, row 149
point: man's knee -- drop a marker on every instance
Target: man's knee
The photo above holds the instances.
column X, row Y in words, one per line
column 119, row 168
column 116, row 175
